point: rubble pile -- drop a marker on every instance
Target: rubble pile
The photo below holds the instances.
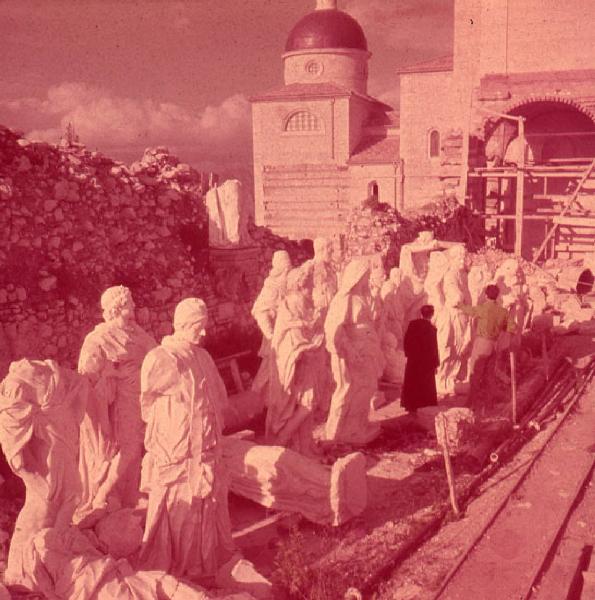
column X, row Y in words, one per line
column 77, row 222
column 378, row 228
column 371, row 229
column 552, row 288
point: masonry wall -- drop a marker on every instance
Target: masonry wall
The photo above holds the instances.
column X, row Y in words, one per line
column 386, row 176
column 75, row 222
column 275, row 147
column 428, row 101
column 536, row 35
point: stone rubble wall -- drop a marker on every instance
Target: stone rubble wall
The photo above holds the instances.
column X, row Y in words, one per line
column 74, row 222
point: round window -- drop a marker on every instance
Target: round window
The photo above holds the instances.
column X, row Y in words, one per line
column 313, row 68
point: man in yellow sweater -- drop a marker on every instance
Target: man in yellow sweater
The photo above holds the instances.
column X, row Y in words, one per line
column 491, row 321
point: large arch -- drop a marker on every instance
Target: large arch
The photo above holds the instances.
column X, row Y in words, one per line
column 556, row 129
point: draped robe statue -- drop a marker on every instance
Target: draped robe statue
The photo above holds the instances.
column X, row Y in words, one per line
column 188, row 530
column 356, row 357
column 297, row 357
column 281, row 479
column 65, row 564
column 324, row 288
column 264, row 312
column 446, row 286
column 458, row 346
column 41, row 407
column 112, row 431
column 514, row 293
column 414, row 264
column 394, row 306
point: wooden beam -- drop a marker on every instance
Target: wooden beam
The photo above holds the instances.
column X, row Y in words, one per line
column 519, row 212
column 526, row 217
column 575, row 221
column 566, row 208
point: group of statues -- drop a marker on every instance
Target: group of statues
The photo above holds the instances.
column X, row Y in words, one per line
column 318, row 336
column 330, row 336
column 139, row 429
column 133, row 443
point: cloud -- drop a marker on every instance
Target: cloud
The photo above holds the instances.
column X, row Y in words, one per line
column 108, row 121
column 401, row 33
column 394, row 23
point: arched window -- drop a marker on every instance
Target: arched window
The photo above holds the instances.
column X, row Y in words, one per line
column 373, row 191
column 434, row 143
column 303, row 120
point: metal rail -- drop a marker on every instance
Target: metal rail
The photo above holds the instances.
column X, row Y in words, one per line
column 578, row 389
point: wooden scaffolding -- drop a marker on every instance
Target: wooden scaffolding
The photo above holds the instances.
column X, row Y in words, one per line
column 538, row 211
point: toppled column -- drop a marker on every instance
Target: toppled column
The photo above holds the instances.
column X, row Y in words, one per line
column 284, row 480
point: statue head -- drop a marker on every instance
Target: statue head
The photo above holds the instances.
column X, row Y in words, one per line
column 322, row 249
column 425, row 237
column 355, row 276
column 117, row 304
column 190, row 320
column 281, row 263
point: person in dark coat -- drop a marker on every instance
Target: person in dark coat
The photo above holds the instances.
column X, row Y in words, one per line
column 421, row 349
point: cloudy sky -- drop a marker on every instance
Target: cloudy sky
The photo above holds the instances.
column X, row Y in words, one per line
column 137, row 73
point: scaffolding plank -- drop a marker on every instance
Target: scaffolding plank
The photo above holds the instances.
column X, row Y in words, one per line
column 575, row 221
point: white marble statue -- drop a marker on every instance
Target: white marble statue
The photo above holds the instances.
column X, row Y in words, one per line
column 457, row 347
column 64, row 563
column 356, row 357
column 395, row 304
column 514, row 293
column 446, row 286
column 41, row 408
column 324, row 288
column 478, row 278
column 188, row 530
column 284, row 480
column 297, row 357
column 112, row 431
column 324, row 276
column 228, row 214
column 264, row 312
column 395, row 358
column 414, row 264
column 377, row 279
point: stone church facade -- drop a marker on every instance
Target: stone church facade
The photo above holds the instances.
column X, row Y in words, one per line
column 323, row 145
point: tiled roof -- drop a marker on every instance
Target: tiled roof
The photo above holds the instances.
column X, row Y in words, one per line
column 441, row 63
column 388, row 119
column 309, row 90
column 376, row 150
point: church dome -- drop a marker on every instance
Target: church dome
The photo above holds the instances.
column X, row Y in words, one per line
column 328, row 28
